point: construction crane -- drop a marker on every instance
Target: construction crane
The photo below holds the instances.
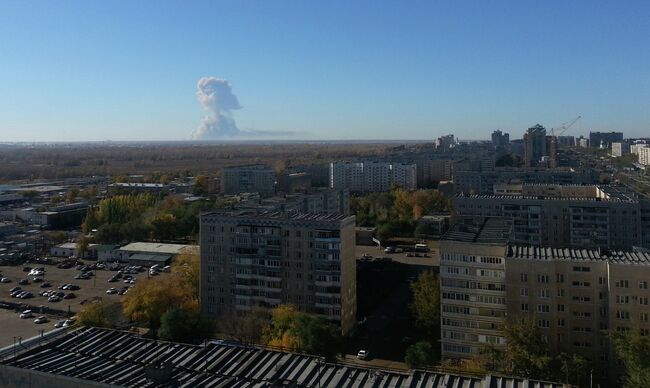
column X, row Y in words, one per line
column 564, row 127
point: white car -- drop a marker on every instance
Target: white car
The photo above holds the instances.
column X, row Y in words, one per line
column 26, row 314
column 36, row 272
column 363, row 354
column 40, row 320
column 68, row 322
column 5, row 280
column 111, row 291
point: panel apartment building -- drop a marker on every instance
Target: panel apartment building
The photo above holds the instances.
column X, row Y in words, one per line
column 565, row 215
column 248, row 179
column 371, row 176
column 574, row 295
column 254, row 258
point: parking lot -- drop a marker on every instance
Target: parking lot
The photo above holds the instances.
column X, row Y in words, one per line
column 430, row 259
column 89, row 289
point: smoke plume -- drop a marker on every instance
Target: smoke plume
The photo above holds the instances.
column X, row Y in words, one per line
column 216, row 97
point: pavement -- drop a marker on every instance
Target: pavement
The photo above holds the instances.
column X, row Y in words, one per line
column 432, row 261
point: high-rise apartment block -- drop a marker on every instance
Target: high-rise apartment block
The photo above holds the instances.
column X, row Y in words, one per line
column 257, row 259
column 566, row 215
column 431, row 171
column 372, row 176
column 619, row 149
column 604, row 139
column 248, row 179
column 500, row 140
column 535, row 145
column 573, row 295
column 644, row 156
column 445, row 142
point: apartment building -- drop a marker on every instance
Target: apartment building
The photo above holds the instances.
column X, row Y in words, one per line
column 248, row 179
column 473, row 286
column 619, row 149
column 254, row 258
column 371, row 176
column 482, row 182
column 432, row 171
column 574, row 295
column 604, row 139
column 644, row 156
column 565, row 215
column 312, row 201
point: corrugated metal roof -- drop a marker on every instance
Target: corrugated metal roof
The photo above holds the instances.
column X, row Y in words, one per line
column 122, row 359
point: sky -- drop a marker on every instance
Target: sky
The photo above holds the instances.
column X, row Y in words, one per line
column 307, row 69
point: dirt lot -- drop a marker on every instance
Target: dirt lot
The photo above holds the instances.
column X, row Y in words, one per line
column 14, row 327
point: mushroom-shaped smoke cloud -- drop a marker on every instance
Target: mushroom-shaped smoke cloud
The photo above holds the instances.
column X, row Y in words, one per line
column 215, row 94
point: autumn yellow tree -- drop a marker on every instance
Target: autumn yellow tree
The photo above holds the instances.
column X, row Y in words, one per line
column 94, row 313
column 151, row 298
column 187, row 267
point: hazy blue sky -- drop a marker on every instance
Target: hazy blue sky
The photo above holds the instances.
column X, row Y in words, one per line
column 128, row 70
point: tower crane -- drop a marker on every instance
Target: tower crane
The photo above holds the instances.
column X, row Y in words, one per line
column 564, row 127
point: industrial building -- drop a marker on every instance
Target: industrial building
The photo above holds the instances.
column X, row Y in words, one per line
column 94, row 357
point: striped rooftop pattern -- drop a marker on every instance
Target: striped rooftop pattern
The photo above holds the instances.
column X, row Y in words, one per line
column 577, row 254
column 119, row 358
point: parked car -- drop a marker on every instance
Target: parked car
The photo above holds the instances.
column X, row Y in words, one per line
column 59, row 323
column 23, row 282
column 37, row 280
column 54, row 299
column 70, row 295
column 15, row 289
column 363, row 354
column 5, row 280
column 46, row 285
column 111, row 291
column 40, row 320
column 26, row 314
column 68, row 322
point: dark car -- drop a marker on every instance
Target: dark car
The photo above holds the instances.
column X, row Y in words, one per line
column 70, row 295
column 46, row 285
column 23, row 282
column 37, row 280
column 15, row 289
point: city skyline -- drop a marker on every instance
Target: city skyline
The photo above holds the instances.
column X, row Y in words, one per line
column 330, row 71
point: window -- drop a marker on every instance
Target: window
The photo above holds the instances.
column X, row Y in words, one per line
column 543, row 323
column 623, row 315
column 601, row 280
column 560, row 308
column 560, row 292
column 523, row 277
column 523, row 292
column 643, row 317
column 544, row 293
column 581, row 269
column 542, row 278
column 560, row 322
column 559, row 277
column 581, row 299
column 622, row 284
column 643, row 300
column 643, row 284
column 524, row 307
column 543, row 308
column 580, row 284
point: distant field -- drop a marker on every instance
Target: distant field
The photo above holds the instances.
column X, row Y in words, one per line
column 64, row 161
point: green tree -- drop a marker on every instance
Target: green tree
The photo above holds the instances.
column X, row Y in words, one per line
column 633, row 349
column 419, row 355
column 426, row 304
column 526, row 354
column 184, row 326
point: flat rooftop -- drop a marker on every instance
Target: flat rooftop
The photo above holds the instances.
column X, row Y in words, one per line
column 487, row 230
column 148, row 247
column 276, row 215
column 122, row 359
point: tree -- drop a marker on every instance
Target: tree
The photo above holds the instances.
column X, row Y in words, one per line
column 419, row 355
column 71, row 195
column 150, row 298
column 633, row 349
column 426, row 304
column 56, row 236
column 247, row 327
column 294, row 330
column 94, row 313
column 164, row 227
column 187, row 267
column 201, row 185
column 526, row 354
column 184, row 326
column 82, row 246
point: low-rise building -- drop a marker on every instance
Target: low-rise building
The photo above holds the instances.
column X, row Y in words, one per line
column 71, row 249
column 141, row 253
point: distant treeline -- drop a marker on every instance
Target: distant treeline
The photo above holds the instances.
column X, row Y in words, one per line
column 57, row 162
